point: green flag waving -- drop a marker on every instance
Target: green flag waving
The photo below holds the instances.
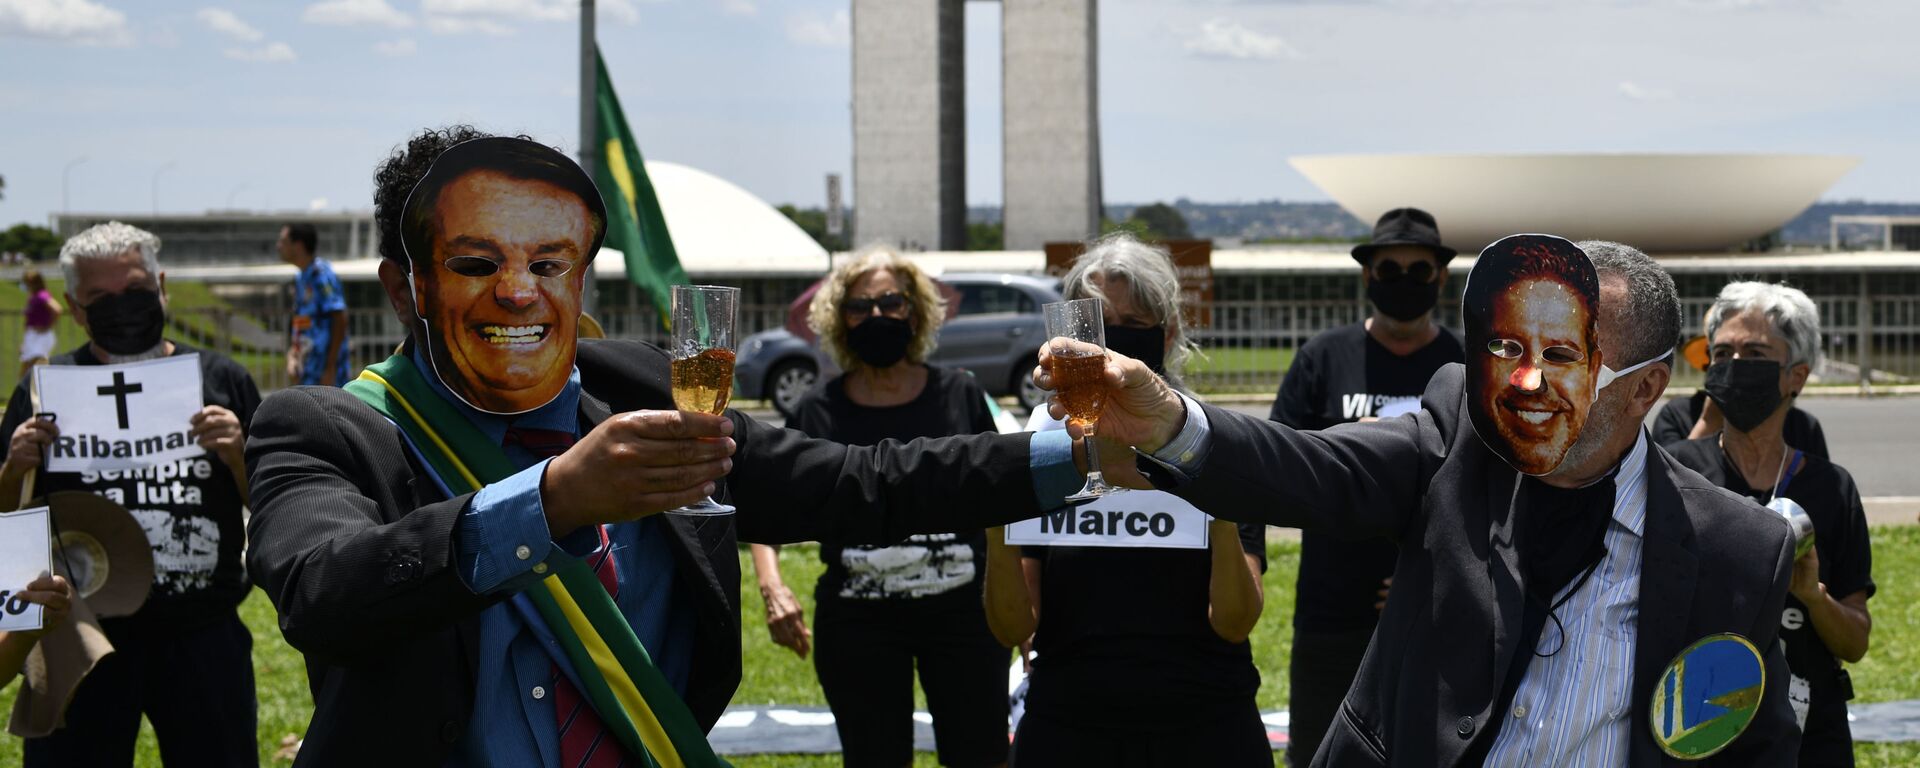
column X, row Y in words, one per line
column 634, row 224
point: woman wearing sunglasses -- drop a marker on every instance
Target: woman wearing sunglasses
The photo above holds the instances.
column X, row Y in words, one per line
column 884, row 612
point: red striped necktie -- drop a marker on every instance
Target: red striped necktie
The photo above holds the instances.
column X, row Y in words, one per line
column 584, row 740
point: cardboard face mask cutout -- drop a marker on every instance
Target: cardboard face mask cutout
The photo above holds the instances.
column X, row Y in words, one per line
column 1533, row 355
column 499, row 234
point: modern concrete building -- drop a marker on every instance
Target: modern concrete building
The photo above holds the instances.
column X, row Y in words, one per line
column 1051, row 119
column 909, row 122
column 1669, row 203
column 237, row 237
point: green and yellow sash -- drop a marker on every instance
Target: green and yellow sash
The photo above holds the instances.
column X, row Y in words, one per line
column 617, row 677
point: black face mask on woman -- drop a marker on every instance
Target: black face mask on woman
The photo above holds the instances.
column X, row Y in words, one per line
column 1747, row 391
column 1147, row 345
column 880, row 341
column 127, row 323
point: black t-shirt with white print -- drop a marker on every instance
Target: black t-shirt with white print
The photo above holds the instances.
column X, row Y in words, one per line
column 190, row 508
column 1840, row 539
column 925, row 565
column 1341, row 376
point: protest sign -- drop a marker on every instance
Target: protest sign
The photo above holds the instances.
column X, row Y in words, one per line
column 114, row 417
column 25, row 553
column 1144, row 519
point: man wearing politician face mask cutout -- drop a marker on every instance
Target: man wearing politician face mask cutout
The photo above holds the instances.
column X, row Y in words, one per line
column 1531, row 614
column 1364, row 371
column 414, row 528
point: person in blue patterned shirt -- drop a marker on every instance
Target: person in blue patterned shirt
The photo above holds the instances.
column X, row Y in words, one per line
column 318, row 352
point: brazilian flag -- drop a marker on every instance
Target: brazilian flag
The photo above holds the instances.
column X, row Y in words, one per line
column 634, row 224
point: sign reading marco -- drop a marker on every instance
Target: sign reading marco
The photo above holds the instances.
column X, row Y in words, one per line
column 116, row 417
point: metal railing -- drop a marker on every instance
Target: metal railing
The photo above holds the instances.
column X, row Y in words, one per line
column 1247, row 346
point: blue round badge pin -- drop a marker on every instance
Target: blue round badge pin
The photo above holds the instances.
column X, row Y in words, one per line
column 1707, row 696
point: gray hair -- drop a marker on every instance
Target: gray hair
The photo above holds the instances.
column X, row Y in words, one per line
column 105, row 242
column 1151, row 281
column 1650, row 322
column 1793, row 315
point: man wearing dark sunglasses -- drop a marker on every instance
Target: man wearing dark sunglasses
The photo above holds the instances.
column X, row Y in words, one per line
column 1372, row 369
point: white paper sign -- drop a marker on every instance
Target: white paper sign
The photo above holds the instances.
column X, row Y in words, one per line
column 1146, row 519
column 121, row 416
column 26, row 552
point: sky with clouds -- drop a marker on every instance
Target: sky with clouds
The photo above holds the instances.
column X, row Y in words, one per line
column 288, row 105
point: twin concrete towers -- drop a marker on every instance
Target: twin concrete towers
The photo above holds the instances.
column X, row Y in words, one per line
column 909, row 123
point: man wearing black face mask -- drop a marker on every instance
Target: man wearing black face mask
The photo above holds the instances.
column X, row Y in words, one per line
column 1369, row 370
column 184, row 659
column 1762, row 341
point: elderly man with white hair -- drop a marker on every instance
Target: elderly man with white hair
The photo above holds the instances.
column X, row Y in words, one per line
column 1764, row 339
column 184, row 660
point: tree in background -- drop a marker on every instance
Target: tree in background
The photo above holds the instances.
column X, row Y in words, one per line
column 3, row 187
column 986, row 236
column 35, row 241
column 1160, row 222
column 813, row 221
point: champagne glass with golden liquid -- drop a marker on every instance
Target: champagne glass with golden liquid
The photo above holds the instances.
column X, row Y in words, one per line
column 703, row 360
column 1077, row 361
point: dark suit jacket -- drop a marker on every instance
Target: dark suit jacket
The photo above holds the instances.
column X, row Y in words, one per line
column 1713, row 562
column 354, row 544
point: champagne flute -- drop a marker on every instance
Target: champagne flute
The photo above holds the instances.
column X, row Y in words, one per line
column 703, row 361
column 1077, row 361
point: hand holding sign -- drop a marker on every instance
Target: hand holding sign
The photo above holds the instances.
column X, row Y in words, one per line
column 29, row 442
column 116, row 417
column 218, row 430
column 26, row 557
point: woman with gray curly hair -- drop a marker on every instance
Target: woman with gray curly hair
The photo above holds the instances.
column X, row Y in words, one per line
column 885, row 611
column 1763, row 340
column 1175, row 620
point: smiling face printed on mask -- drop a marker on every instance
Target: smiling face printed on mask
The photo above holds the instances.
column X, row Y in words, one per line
column 1532, row 352
column 498, row 287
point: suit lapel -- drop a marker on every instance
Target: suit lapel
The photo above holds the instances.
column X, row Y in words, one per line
column 1497, row 504
column 1668, row 572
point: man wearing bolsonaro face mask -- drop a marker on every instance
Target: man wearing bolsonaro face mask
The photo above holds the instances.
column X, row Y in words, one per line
column 1372, row 369
column 184, row 659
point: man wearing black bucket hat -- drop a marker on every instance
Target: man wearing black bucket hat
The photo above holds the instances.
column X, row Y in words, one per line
column 1375, row 368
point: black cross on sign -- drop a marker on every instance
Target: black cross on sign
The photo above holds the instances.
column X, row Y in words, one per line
column 119, row 392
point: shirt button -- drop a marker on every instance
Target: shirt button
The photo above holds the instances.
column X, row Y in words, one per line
column 523, row 552
column 539, row 567
column 1520, row 711
column 539, row 692
column 1464, row 727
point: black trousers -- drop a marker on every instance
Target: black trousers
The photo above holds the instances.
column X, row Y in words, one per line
column 1239, row 741
column 866, row 652
column 1319, row 673
column 196, row 687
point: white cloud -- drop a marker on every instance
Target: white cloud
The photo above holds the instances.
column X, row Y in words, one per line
column 525, row 10
column 1223, row 39
column 740, row 7
column 265, row 53
column 227, row 23
column 1637, row 92
column 396, row 48
column 448, row 25
column 77, row 21
column 833, row 32
column 354, row 12
column 620, row 11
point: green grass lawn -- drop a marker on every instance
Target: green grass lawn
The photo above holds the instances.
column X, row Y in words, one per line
column 1891, row 670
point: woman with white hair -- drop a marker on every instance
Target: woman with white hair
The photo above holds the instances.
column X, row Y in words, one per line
column 884, row 612
column 1141, row 655
column 1763, row 340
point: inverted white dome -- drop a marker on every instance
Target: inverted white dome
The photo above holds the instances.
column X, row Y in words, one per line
column 718, row 227
column 1667, row 203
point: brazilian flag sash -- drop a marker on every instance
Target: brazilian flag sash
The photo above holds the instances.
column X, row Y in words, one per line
column 617, row 677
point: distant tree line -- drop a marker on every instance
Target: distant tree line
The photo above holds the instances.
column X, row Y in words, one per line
column 35, row 241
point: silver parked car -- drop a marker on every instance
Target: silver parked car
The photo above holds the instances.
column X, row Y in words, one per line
column 996, row 335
